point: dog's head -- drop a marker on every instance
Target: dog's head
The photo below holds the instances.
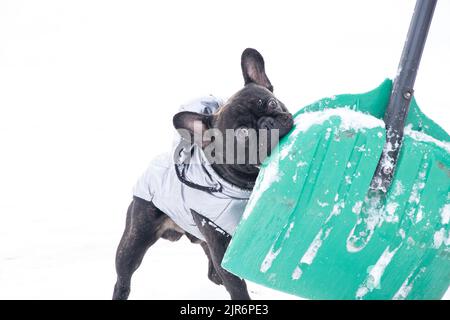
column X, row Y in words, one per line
column 244, row 131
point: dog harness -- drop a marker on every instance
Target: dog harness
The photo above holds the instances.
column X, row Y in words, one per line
column 175, row 187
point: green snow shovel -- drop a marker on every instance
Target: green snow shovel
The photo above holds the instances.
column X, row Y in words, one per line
column 351, row 206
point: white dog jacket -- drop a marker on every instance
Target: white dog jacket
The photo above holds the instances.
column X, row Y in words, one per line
column 176, row 187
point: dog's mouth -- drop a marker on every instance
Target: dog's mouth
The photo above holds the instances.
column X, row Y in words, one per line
column 286, row 123
column 271, row 146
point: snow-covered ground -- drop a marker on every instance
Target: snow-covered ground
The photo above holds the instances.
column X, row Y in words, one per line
column 87, row 92
column 74, row 260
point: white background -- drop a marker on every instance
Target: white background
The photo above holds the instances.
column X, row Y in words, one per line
column 87, row 93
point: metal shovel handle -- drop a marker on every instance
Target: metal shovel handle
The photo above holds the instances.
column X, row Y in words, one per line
column 402, row 93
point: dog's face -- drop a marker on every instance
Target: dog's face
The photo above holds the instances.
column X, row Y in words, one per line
column 257, row 118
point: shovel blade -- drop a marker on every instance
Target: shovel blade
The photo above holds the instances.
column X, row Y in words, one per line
column 312, row 229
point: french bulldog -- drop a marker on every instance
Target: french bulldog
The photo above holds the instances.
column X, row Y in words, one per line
column 154, row 216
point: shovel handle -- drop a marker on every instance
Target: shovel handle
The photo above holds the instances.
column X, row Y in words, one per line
column 402, row 93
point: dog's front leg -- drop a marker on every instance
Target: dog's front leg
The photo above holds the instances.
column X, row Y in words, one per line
column 212, row 273
column 217, row 241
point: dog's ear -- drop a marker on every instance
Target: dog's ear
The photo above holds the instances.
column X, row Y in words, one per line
column 194, row 123
column 252, row 64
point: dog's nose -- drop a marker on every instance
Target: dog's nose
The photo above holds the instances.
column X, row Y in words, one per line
column 286, row 122
column 287, row 119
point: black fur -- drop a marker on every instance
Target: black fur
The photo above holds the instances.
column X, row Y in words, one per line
column 254, row 106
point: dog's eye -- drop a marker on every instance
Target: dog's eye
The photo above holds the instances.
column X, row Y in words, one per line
column 242, row 132
column 259, row 103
